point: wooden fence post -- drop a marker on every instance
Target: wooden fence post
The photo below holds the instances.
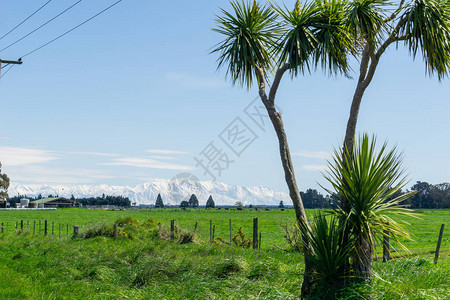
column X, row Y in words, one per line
column 34, row 227
column 438, row 247
column 210, row 231
column 76, row 230
column 259, row 241
column 214, row 232
column 195, row 227
column 115, row 231
column 375, row 250
column 255, row 233
column 172, row 229
column 45, row 227
column 231, row 234
column 386, row 246
column 21, row 225
column 2, row 227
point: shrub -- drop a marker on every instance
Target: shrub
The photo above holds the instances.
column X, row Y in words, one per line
column 231, row 266
column 187, row 237
column 367, row 180
column 101, row 229
column 293, row 236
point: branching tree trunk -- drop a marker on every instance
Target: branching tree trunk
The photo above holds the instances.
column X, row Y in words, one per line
column 362, row 261
column 286, row 160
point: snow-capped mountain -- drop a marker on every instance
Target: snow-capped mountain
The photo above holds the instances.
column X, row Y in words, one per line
column 172, row 192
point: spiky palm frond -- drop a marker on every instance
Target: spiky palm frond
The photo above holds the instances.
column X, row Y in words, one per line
column 334, row 42
column 327, row 251
column 365, row 18
column 298, row 40
column 250, row 36
column 315, row 35
column 367, row 179
column 427, row 28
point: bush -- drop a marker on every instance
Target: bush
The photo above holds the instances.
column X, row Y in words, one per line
column 187, row 237
column 228, row 267
column 101, row 229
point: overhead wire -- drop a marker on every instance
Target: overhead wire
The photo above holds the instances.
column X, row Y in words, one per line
column 30, row 33
column 7, row 71
column 26, row 19
column 72, row 29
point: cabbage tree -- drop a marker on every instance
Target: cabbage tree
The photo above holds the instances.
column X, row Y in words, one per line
column 369, row 180
column 261, row 43
column 422, row 26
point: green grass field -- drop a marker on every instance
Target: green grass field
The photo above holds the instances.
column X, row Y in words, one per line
column 147, row 267
column 424, row 229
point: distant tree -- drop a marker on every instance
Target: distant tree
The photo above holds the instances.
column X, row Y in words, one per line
column 38, row 197
column 193, row 201
column 210, row 203
column 430, row 196
column 72, row 198
column 313, row 199
column 239, row 204
column 4, row 185
column 108, row 200
column 422, row 198
column 184, row 204
column 281, row 205
column 159, row 202
column 440, row 195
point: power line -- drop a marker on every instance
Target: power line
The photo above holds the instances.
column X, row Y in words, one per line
column 7, row 71
column 69, row 31
column 67, row 9
column 26, row 19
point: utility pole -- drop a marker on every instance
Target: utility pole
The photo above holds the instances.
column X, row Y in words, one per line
column 4, row 63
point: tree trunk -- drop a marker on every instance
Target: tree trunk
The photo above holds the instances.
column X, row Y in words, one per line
column 350, row 133
column 362, row 260
column 358, row 267
column 277, row 122
column 294, row 193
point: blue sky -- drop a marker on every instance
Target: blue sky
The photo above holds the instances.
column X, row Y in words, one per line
column 134, row 95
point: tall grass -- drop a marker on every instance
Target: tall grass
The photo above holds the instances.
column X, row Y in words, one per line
column 146, row 266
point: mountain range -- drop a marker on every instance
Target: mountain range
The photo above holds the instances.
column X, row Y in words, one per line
column 172, row 192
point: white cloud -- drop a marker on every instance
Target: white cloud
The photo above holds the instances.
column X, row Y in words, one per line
column 162, row 151
column 93, row 153
column 314, row 167
column 146, row 163
column 161, row 157
column 195, row 81
column 45, row 175
column 17, row 156
column 314, row 154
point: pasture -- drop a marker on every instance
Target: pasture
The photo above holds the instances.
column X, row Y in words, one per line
column 424, row 229
column 147, row 267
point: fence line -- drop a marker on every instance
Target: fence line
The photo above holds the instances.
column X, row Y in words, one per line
column 256, row 240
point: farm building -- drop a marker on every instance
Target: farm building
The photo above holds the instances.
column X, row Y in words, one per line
column 56, row 202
